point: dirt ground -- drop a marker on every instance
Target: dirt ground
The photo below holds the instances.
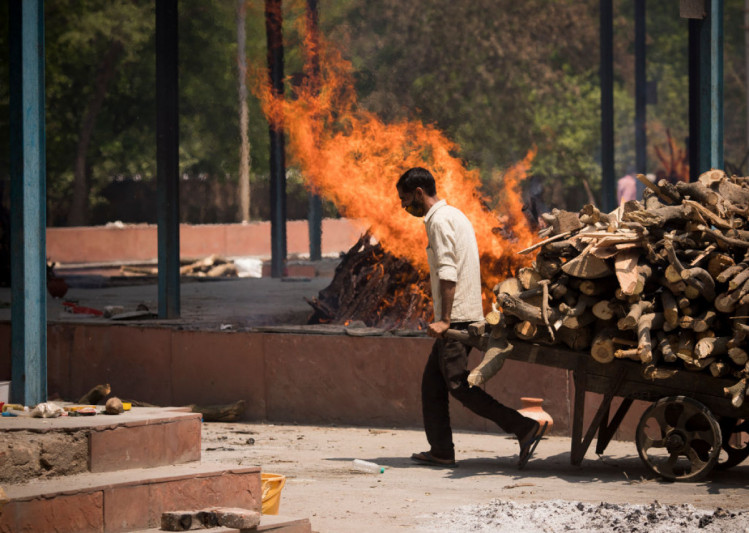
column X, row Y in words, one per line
column 550, row 495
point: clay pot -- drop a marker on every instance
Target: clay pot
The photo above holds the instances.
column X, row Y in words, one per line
column 57, row 287
column 532, row 409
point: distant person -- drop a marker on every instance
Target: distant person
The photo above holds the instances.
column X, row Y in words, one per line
column 626, row 188
column 533, row 202
column 455, row 276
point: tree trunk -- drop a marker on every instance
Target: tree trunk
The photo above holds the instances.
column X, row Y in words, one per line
column 244, row 119
column 78, row 215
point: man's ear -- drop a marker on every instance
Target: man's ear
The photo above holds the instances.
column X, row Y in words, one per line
column 419, row 193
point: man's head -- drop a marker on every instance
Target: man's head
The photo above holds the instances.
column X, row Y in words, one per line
column 417, row 191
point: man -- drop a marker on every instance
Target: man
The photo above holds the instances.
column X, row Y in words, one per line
column 456, row 293
column 626, row 188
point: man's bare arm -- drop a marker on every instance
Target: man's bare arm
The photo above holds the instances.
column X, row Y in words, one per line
column 447, row 291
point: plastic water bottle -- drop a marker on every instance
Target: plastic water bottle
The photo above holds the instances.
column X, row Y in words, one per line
column 366, row 466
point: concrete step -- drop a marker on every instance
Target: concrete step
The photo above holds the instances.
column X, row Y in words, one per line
column 127, row 500
column 268, row 524
column 143, row 437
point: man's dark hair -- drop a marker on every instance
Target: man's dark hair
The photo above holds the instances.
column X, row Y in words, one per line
column 415, row 178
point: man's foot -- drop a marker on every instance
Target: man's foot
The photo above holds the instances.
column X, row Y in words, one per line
column 529, row 442
column 428, row 459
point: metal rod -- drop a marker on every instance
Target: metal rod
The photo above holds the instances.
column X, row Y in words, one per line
column 608, row 186
column 314, row 215
column 274, row 34
column 28, row 204
column 640, row 92
column 695, row 28
column 167, row 157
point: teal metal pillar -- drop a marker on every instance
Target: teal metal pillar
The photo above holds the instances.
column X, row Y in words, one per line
column 641, row 139
column 711, row 88
column 608, row 184
column 706, row 89
column 167, row 157
column 28, row 204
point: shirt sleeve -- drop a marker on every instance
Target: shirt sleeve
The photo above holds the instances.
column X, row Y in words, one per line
column 443, row 244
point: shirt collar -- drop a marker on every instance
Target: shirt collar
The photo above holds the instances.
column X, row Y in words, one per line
column 434, row 209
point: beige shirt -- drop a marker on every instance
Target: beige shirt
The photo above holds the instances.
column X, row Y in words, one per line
column 454, row 256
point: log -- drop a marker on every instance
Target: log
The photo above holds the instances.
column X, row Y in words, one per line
column 221, row 413
column 587, row 266
column 664, row 347
column 711, row 347
column 528, row 278
column 647, row 323
column 738, row 355
column 698, row 192
column 631, row 353
column 604, row 310
column 96, row 394
column 511, row 286
column 492, row 362
column 633, row 316
column 653, row 372
column 670, row 309
column 565, row 221
column 736, row 392
column 576, row 339
column 719, row 369
column 719, row 263
column 524, row 311
column 701, row 280
column 602, row 348
column 494, row 317
column 526, row 330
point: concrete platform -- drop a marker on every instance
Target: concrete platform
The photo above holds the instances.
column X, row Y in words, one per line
column 126, row 500
column 140, row 438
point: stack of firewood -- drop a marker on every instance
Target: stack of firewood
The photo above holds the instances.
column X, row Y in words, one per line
column 212, row 266
column 377, row 288
column 664, row 281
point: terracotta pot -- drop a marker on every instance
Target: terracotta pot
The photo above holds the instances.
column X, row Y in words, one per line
column 532, row 409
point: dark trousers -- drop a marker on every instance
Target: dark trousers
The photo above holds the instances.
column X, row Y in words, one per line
column 446, row 372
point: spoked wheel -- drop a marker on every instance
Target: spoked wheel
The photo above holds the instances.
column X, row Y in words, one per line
column 734, row 446
column 678, row 439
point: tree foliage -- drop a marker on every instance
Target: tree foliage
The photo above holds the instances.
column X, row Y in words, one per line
column 498, row 76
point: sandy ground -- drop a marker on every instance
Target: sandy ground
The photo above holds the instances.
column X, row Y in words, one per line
column 550, row 495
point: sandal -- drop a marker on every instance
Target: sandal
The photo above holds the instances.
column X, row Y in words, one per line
column 429, row 459
column 528, row 446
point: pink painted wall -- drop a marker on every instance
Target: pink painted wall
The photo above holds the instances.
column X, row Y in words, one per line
column 103, row 244
column 309, row 379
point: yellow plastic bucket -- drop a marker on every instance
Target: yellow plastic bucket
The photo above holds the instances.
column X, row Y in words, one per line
column 272, row 485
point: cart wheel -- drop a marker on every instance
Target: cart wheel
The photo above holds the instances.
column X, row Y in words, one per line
column 733, row 452
column 678, row 439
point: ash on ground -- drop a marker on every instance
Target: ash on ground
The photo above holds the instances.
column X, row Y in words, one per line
column 558, row 516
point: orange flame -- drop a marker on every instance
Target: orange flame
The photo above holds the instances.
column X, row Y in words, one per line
column 352, row 158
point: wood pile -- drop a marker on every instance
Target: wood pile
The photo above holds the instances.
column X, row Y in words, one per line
column 663, row 281
column 377, row 288
column 212, row 266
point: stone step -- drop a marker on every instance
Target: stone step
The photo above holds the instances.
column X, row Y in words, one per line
column 143, row 437
column 126, row 500
column 268, row 524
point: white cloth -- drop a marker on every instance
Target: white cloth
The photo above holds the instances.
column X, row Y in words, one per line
column 454, row 256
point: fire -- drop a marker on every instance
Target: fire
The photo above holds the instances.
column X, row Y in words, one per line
column 351, row 157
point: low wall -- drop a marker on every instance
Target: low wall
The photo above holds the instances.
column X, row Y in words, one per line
column 306, row 379
column 107, row 244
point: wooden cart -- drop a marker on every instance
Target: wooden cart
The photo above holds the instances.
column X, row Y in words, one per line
column 679, row 437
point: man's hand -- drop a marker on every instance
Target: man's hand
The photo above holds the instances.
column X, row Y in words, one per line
column 438, row 329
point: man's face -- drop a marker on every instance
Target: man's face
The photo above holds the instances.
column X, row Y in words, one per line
column 413, row 202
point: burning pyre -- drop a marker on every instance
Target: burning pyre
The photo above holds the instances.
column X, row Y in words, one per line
column 377, row 288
